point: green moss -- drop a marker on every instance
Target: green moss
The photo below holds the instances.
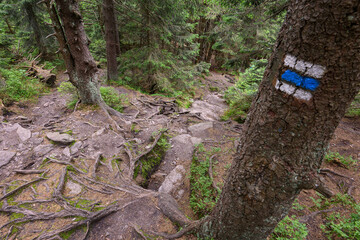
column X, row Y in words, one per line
column 14, row 216
column 152, row 160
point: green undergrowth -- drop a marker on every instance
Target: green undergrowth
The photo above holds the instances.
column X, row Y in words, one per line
column 15, row 85
column 240, row 96
column 150, row 162
column 203, row 196
column 290, row 228
column 109, row 94
column 337, row 158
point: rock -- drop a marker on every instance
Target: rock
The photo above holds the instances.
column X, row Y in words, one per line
column 66, row 152
column 74, row 188
column 76, row 147
column 173, row 180
column 37, row 141
column 5, row 157
column 99, row 132
column 60, row 138
column 201, row 130
column 24, row 134
column 12, row 127
column 41, row 150
column 208, row 111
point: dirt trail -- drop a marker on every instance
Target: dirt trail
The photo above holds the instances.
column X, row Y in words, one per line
column 88, row 179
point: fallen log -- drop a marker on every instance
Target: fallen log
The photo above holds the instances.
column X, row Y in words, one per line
column 44, row 75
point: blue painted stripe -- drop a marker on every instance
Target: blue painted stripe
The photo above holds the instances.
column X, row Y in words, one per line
column 300, row 81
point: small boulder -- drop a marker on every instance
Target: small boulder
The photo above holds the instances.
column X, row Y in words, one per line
column 41, row 150
column 24, row 134
column 56, row 137
column 5, row 157
column 173, row 180
column 201, row 130
column 74, row 188
column 76, row 147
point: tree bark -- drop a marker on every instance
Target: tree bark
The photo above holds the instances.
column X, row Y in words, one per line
column 289, row 127
column 36, row 28
column 112, row 39
column 80, row 64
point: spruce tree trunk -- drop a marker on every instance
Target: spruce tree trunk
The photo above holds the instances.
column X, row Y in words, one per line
column 112, row 39
column 36, row 28
column 74, row 47
column 310, row 80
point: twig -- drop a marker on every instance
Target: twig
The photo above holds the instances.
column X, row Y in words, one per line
column 21, row 187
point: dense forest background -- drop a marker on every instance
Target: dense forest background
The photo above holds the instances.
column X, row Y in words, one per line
column 163, row 45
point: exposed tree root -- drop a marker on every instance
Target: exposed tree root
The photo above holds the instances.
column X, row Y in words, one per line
column 76, row 179
column 342, row 184
column 66, row 163
column 307, row 218
column 30, row 171
column 182, row 232
column 21, row 187
column 133, row 161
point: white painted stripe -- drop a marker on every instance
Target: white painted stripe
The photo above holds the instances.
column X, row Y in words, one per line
column 290, row 61
column 307, row 68
column 316, row 71
column 287, row 88
column 303, row 95
column 291, row 90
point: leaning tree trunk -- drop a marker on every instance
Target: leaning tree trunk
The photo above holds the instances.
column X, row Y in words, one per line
column 112, row 39
column 80, row 64
column 310, row 80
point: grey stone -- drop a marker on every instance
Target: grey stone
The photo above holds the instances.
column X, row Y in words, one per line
column 66, row 152
column 201, row 130
column 173, row 180
column 208, row 111
column 76, row 147
column 60, row 138
column 99, row 132
column 5, row 157
column 24, row 134
column 12, row 127
column 74, row 188
column 41, row 150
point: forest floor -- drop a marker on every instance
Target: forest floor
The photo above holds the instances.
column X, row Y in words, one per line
column 79, row 184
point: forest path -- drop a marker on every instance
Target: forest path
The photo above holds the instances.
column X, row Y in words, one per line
column 56, row 163
column 63, row 184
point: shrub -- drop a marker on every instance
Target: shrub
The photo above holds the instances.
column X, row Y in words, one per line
column 112, row 98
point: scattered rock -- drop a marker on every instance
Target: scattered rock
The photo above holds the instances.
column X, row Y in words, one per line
column 201, row 130
column 173, row 180
column 74, row 188
column 41, row 150
column 24, row 134
column 76, row 147
column 66, row 152
column 60, row 138
column 99, row 132
column 5, row 157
